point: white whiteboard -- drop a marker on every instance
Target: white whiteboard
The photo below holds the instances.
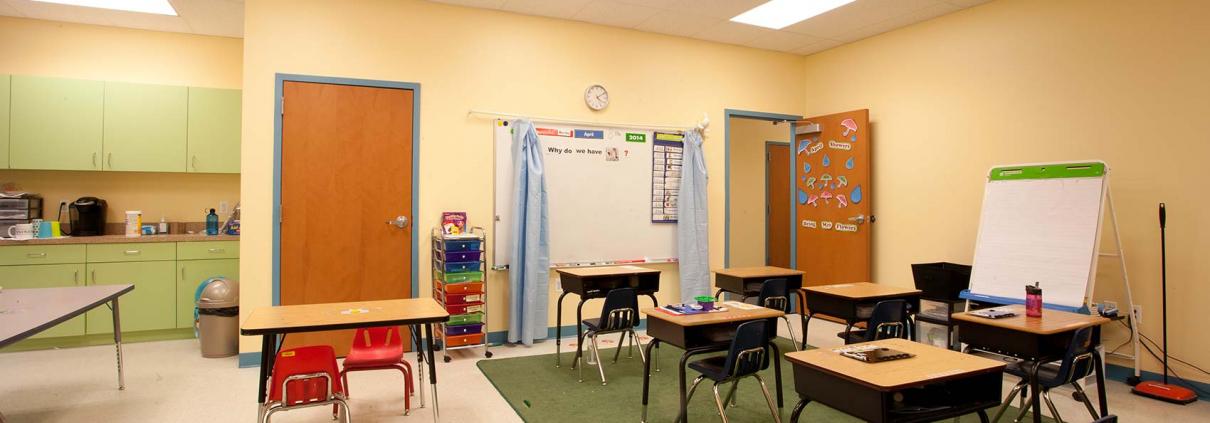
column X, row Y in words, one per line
column 600, row 210
column 1039, row 230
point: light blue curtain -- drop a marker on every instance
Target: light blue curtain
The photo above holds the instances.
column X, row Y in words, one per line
column 529, row 270
column 693, row 253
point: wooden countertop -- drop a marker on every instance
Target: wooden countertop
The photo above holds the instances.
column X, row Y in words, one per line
column 758, row 272
column 350, row 315
column 732, row 314
column 930, row 365
column 118, row 239
column 606, row 271
column 1051, row 322
column 861, row 290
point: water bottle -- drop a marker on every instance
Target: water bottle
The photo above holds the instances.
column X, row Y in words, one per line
column 1033, row 300
column 212, row 223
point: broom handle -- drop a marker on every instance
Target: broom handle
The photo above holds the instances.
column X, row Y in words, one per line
column 1164, row 284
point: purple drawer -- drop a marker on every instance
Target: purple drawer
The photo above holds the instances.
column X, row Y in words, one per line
column 459, row 256
column 463, row 329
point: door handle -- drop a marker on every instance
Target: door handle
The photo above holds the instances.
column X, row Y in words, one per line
column 399, row 222
column 858, row 219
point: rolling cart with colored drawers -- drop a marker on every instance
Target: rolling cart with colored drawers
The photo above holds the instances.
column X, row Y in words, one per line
column 459, row 285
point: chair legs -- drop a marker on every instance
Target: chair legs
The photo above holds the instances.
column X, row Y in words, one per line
column 731, row 400
column 791, row 329
column 1054, row 412
column 1007, row 400
column 768, row 398
column 722, row 409
column 408, row 387
column 1087, row 403
column 594, row 352
column 1029, row 403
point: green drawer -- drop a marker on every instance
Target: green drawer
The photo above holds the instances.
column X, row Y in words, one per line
column 202, row 250
column 458, row 277
column 41, row 254
column 465, row 319
column 135, row 251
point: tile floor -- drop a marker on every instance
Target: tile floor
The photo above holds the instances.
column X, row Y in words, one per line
column 170, row 382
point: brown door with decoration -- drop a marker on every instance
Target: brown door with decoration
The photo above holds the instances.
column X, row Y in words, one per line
column 777, row 205
column 832, row 198
column 346, row 178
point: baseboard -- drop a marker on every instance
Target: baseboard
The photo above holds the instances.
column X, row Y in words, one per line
column 99, row 339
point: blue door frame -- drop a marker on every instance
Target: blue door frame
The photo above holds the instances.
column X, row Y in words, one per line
column 772, row 117
column 279, row 81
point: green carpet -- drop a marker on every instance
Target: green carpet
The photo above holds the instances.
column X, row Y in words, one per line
column 539, row 392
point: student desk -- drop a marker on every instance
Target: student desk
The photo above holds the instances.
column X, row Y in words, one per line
column 25, row 312
column 270, row 322
column 1037, row 339
column 700, row 334
column 940, row 383
column 746, row 281
column 851, row 302
column 596, row 282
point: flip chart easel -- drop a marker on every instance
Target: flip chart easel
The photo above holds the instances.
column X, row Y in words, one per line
column 1042, row 223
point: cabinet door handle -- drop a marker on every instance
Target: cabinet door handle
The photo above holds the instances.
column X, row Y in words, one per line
column 35, row 255
column 193, row 162
column 109, row 158
column 133, row 252
column 217, row 250
column 94, row 160
column 94, row 276
column 75, row 277
column 182, row 272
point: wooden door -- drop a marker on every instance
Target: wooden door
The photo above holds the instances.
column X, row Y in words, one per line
column 346, row 172
column 832, row 198
column 777, row 201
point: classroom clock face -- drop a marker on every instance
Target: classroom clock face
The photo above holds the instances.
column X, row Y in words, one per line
column 596, row 97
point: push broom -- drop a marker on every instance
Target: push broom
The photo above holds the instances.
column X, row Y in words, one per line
column 1153, row 389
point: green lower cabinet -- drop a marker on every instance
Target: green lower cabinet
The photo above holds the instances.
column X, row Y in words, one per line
column 47, row 276
column 150, row 306
column 190, row 274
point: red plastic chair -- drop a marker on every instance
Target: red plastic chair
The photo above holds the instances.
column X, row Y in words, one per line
column 379, row 348
column 305, row 377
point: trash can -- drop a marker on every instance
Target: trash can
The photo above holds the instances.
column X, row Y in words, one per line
column 218, row 318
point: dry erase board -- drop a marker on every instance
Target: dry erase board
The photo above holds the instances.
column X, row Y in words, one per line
column 1040, row 223
column 604, row 205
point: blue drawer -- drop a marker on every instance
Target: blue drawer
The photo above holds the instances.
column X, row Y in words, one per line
column 462, row 245
column 459, row 256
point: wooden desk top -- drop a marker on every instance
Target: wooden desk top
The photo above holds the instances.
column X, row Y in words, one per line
column 758, row 272
column 930, row 365
column 861, row 290
column 331, row 316
column 732, row 314
column 25, row 312
column 606, row 271
column 1051, row 322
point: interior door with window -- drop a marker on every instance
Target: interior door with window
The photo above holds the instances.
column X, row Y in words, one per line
column 832, row 198
column 346, row 190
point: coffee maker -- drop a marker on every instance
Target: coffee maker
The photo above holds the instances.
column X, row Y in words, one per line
column 85, row 216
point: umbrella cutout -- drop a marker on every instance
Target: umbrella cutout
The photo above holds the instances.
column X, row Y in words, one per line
column 843, row 181
column 802, row 146
column 826, row 196
column 813, row 200
column 841, row 202
column 849, row 126
column 826, row 179
column 811, row 182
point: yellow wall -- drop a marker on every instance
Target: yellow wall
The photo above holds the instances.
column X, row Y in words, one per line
column 1017, row 81
column 471, row 58
column 747, row 158
column 45, row 48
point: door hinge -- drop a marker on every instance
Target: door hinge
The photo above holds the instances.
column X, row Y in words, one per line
column 283, row 105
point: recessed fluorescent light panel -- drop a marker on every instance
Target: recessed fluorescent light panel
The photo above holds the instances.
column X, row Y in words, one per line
column 158, row 7
column 778, row 14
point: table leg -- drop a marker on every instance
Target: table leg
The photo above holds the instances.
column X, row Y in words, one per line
column 806, row 320
column 983, row 416
column 428, row 335
column 419, row 344
column 683, row 412
column 1035, row 391
column 1100, row 371
column 558, row 325
column 266, row 351
column 777, row 373
column 647, row 376
column 802, row 403
column 117, row 343
column 848, row 328
column 579, row 333
column 717, row 293
column 654, row 302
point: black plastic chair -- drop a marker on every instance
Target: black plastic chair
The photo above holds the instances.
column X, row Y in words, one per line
column 619, row 315
column 1077, row 363
column 774, row 294
column 889, row 319
column 748, row 355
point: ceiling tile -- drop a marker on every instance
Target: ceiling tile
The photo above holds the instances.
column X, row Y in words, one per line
column 816, row 47
column 782, row 40
column 7, row 10
column 213, row 17
column 966, row 3
column 677, row 23
column 658, row 4
column 565, row 9
column 485, row 4
column 612, row 13
column 730, row 33
column 897, row 22
column 724, row 9
column 856, row 15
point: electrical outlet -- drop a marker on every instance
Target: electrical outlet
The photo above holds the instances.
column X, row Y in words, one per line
column 222, row 207
column 1137, row 314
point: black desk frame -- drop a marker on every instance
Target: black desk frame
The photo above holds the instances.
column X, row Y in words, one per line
column 590, row 287
column 964, row 395
column 846, row 308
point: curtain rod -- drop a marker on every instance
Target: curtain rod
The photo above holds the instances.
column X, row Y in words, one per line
column 487, row 113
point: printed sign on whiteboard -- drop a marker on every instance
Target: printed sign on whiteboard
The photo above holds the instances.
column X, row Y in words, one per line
column 667, row 149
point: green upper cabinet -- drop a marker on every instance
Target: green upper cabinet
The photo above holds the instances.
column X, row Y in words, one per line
column 55, row 123
column 4, row 90
column 214, row 130
column 145, row 127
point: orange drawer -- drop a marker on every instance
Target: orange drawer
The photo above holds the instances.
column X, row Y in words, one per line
column 460, row 288
column 460, row 340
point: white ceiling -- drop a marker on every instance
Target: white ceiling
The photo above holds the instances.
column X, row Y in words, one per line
column 710, row 19
column 208, row 17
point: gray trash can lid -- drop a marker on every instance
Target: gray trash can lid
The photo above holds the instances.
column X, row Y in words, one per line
column 220, row 293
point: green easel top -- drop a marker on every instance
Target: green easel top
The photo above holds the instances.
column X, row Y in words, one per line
column 1048, row 171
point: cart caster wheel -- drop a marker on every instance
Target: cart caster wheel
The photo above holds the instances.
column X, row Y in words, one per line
column 488, row 354
column 1077, row 396
column 1133, row 380
column 446, row 359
